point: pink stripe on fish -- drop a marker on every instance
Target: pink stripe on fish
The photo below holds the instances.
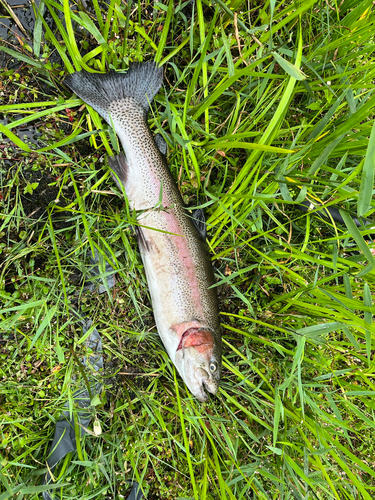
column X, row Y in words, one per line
column 185, row 257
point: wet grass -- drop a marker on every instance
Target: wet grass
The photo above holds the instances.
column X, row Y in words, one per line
column 263, row 106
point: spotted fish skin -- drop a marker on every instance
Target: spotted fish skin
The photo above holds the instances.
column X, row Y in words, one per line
column 177, row 264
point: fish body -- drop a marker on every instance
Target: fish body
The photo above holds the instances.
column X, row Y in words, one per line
column 176, row 261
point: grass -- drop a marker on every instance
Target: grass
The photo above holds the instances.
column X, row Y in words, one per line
column 264, row 106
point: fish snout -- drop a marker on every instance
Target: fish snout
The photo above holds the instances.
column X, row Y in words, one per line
column 202, row 378
column 207, row 382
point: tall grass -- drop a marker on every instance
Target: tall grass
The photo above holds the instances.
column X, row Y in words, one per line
column 264, row 106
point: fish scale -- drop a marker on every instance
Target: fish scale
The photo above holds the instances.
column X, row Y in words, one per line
column 175, row 257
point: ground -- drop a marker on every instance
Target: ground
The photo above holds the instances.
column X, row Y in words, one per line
column 263, row 106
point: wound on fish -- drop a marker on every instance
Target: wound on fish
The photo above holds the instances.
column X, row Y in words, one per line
column 195, row 337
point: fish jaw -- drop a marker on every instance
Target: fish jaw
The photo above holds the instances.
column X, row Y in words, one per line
column 197, row 363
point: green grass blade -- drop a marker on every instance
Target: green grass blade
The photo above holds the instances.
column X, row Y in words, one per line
column 186, row 441
column 367, row 301
column 165, row 32
column 355, row 233
column 367, row 178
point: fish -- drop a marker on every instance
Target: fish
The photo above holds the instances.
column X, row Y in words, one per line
column 171, row 240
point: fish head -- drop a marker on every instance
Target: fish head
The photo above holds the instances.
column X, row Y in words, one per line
column 199, row 362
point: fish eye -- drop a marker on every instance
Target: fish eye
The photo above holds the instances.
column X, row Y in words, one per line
column 213, row 367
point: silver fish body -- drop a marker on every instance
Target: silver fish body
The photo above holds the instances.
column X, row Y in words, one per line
column 176, row 261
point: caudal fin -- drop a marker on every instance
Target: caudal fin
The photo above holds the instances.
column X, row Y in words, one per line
column 142, row 82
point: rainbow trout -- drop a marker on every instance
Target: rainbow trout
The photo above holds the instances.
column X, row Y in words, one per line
column 173, row 250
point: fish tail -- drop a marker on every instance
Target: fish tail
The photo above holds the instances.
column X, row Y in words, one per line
column 141, row 82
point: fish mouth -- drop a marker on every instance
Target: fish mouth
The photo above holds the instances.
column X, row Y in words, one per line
column 202, row 378
column 195, row 349
column 202, row 396
column 204, row 385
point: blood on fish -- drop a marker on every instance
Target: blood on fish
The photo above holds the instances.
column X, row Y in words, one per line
column 195, row 337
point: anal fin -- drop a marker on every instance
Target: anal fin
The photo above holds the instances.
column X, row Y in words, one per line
column 119, row 167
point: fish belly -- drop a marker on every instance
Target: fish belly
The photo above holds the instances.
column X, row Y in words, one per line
column 171, row 272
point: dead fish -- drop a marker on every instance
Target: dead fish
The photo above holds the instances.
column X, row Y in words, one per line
column 176, row 261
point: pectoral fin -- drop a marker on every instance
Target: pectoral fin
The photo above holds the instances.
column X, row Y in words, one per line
column 143, row 244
